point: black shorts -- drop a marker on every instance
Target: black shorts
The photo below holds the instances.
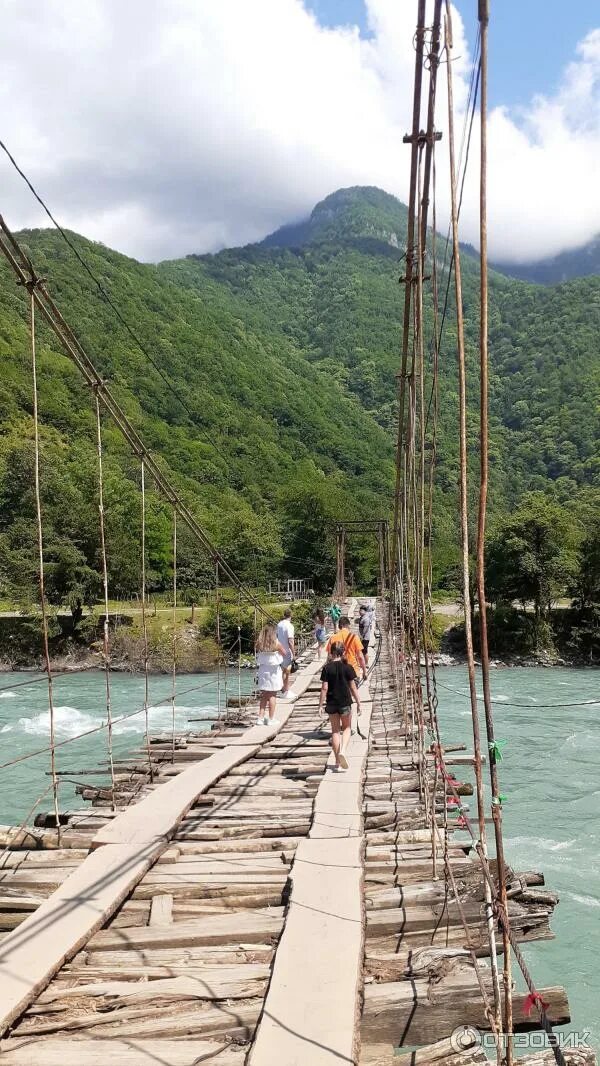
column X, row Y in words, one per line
column 338, row 710
column 365, row 646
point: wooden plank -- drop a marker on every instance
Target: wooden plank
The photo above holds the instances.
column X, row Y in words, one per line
column 160, row 812
column 416, row 1012
column 245, row 927
column 241, row 981
column 157, row 816
column 132, row 1052
column 314, row 1020
column 156, row 1020
column 32, row 953
column 161, row 909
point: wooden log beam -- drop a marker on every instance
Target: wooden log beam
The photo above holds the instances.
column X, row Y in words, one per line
column 416, row 1012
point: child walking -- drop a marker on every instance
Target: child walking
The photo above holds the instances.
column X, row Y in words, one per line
column 320, row 633
column 269, row 657
column 338, row 689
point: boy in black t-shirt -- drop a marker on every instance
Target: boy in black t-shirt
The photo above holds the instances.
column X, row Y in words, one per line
column 338, row 689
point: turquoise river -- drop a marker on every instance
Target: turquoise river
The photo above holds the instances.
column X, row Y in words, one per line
column 549, row 776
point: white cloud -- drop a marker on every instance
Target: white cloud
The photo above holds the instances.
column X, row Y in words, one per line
column 167, row 126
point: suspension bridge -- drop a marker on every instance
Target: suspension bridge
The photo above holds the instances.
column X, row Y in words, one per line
column 225, row 895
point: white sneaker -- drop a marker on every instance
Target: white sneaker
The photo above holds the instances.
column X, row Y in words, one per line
column 289, row 695
column 262, row 721
column 343, row 763
column 274, row 721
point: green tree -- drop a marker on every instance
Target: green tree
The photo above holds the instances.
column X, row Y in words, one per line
column 532, row 557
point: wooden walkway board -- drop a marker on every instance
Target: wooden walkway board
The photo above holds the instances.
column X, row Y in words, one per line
column 126, row 846
column 311, row 1007
column 162, row 810
column 86, row 1052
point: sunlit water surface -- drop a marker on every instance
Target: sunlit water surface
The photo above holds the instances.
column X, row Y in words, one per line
column 79, row 706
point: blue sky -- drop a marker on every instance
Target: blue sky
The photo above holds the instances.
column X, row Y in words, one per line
column 531, row 41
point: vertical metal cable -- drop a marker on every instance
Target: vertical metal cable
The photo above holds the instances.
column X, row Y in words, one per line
column 145, row 622
column 218, row 638
column 40, row 543
column 464, row 521
column 239, row 630
column 105, row 630
column 481, row 528
column 174, row 637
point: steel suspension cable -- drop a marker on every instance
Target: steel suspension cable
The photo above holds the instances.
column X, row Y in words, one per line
column 174, row 638
column 105, row 622
column 239, row 634
column 464, row 523
column 145, row 620
column 218, row 640
column 40, row 547
column 409, row 257
column 481, row 524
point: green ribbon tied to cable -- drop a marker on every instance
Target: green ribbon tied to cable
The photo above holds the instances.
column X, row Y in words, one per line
column 496, row 747
column 497, row 801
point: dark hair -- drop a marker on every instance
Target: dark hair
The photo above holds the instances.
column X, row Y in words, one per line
column 287, row 613
column 320, row 617
column 337, row 648
column 363, row 607
column 344, row 620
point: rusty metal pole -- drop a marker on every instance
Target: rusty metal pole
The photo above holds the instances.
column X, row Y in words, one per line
column 413, row 140
column 483, row 14
column 464, row 518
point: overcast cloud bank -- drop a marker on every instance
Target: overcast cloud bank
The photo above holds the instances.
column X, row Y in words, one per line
column 163, row 127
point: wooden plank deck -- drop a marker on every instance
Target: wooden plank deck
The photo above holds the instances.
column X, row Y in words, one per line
column 312, row 1005
column 273, row 903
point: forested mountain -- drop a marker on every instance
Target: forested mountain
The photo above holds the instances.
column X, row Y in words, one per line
column 285, row 354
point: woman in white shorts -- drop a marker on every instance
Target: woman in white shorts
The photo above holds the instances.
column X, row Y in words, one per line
column 269, row 657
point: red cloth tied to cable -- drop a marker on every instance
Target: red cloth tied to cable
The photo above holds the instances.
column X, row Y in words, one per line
column 534, row 1000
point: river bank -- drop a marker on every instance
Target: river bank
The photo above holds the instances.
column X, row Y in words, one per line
column 78, row 645
column 516, row 638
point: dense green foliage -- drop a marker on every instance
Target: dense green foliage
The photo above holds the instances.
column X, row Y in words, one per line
column 533, row 556
column 537, row 555
column 286, row 355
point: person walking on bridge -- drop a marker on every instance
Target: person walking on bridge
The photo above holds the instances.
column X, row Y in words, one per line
column 269, row 657
column 320, row 633
column 365, row 628
column 352, row 647
column 334, row 613
column 285, row 636
column 338, row 689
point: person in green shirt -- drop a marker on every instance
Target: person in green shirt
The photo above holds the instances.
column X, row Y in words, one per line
column 335, row 613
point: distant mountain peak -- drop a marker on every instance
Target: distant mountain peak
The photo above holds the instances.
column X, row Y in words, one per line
column 578, row 262
column 360, row 211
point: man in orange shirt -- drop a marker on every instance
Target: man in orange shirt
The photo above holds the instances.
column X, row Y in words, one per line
column 353, row 653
